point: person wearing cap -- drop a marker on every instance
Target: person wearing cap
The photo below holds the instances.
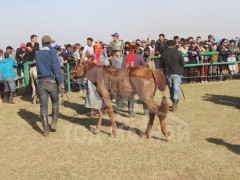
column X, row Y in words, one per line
column 8, row 74
column 59, row 55
column 117, row 44
column 32, row 48
column 210, row 41
column 173, row 62
column 21, row 57
column 49, row 81
column 133, row 60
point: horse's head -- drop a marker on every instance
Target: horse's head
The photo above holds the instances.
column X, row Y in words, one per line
column 77, row 72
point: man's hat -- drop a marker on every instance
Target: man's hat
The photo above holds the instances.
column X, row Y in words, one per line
column 47, row 39
column 57, row 46
column 115, row 34
column 22, row 45
column 210, row 36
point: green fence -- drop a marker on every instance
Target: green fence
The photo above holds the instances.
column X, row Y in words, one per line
column 67, row 75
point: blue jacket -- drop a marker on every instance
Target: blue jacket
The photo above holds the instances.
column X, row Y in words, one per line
column 48, row 65
column 7, row 68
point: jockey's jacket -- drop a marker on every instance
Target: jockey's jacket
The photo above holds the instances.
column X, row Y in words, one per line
column 47, row 65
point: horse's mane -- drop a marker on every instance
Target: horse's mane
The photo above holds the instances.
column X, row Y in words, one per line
column 108, row 69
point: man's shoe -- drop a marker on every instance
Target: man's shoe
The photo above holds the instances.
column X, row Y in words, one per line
column 10, row 101
column 175, row 103
column 55, row 112
column 6, row 97
column 44, row 120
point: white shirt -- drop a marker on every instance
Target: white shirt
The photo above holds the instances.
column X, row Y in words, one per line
column 89, row 50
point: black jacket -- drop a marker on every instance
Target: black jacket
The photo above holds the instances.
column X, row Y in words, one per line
column 173, row 62
column 160, row 47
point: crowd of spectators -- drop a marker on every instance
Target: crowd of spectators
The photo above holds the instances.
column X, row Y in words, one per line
column 150, row 50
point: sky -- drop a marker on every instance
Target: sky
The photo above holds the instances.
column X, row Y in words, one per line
column 72, row 21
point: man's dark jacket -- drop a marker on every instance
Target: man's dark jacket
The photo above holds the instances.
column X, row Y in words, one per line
column 160, row 47
column 172, row 61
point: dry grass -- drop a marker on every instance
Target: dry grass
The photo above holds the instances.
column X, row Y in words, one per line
column 195, row 150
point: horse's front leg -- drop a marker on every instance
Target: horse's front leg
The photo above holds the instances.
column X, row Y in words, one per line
column 108, row 104
column 99, row 123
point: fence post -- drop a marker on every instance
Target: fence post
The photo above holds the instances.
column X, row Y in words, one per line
column 26, row 75
column 68, row 78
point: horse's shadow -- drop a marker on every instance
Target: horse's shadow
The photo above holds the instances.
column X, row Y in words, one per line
column 87, row 122
column 223, row 100
column 231, row 147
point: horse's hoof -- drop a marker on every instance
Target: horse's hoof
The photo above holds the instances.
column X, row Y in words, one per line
column 145, row 136
column 113, row 135
column 167, row 134
column 96, row 130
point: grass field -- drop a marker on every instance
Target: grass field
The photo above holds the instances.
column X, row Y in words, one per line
column 205, row 141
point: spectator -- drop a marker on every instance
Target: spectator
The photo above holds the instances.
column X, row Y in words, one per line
column 8, row 75
column 105, row 60
column 152, row 48
column 173, row 63
column 144, row 46
column 214, row 59
column 210, row 41
column 32, row 48
column 193, row 53
column 76, row 54
column 117, row 44
column 133, row 60
column 21, row 57
column 203, row 59
column 198, row 40
column 149, row 59
column 1, row 84
column 223, row 55
column 176, row 41
column 190, row 39
column 161, row 45
column 126, row 50
column 232, row 57
column 59, row 55
column 88, row 52
column 104, row 50
column 68, row 56
column 184, row 50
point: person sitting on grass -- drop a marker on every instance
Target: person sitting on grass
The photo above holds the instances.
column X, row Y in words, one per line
column 8, row 74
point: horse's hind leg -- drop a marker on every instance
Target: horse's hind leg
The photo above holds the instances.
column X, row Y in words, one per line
column 162, row 116
column 99, row 123
column 161, row 112
column 150, row 124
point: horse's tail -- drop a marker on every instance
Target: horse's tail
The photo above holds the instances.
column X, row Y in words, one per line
column 164, row 108
column 159, row 79
column 160, row 83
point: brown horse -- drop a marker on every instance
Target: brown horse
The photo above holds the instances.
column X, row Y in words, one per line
column 114, row 83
